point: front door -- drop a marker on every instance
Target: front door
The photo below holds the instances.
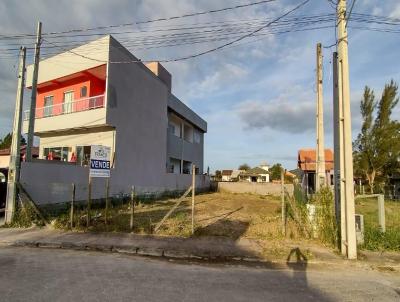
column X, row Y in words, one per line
column 67, row 102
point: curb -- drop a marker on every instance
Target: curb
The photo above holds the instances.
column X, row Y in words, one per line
column 182, row 255
column 155, row 253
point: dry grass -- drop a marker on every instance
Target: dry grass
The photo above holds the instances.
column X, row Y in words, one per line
column 216, row 214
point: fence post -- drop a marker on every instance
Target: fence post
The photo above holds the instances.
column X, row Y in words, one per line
column 107, row 201
column 72, row 206
column 193, row 193
column 89, row 201
column 132, row 206
column 381, row 212
column 283, row 201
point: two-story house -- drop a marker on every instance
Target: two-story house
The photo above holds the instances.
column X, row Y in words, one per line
column 101, row 94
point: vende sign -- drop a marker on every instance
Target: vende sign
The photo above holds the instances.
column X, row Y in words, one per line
column 100, row 161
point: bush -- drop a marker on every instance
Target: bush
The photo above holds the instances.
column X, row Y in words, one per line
column 375, row 240
column 25, row 216
column 327, row 228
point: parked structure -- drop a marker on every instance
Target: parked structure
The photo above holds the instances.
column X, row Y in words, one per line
column 112, row 99
column 307, row 166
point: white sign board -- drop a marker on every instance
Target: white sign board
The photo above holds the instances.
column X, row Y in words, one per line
column 99, row 161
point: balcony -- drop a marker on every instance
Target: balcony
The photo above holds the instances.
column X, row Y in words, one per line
column 81, row 113
column 67, row 108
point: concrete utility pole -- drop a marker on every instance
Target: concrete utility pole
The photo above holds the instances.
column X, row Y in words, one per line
column 32, row 111
column 348, row 229
column 337, row 133
column 320, row 152
column 13, row 172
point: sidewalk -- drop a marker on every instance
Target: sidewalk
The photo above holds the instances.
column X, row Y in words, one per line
column 198, row 248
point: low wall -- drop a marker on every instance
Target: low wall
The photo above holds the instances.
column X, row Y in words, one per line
column 253, row 188
column 50, row 182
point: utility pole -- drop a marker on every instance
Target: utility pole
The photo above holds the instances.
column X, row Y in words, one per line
column 32, row 111
column 348, row 229
column 13, row 173
column 337, row 133
column 320, row 152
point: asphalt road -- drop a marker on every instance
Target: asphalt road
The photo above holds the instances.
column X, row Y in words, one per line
column 59, row 275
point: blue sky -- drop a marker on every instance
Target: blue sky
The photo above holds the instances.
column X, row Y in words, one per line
column 258, row 98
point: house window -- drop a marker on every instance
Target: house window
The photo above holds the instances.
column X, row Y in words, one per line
column 188, row 133
column 83, row 91
column 56, row 153
column 48, row 105
column 197, row 137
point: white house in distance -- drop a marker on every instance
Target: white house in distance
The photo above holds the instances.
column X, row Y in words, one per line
column 257, row 174
column 101, row 94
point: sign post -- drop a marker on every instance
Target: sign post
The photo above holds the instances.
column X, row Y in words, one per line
column 99, row 167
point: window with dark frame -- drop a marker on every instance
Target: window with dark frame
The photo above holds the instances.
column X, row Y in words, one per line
column 83, row 91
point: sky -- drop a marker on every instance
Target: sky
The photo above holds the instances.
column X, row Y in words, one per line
column 258, row 97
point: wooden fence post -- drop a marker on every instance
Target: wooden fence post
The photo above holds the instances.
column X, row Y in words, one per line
column 132, row 206
column 72, row 206
column 283, row 202
column 193, row 193
column 89, row 201
column 107, row 200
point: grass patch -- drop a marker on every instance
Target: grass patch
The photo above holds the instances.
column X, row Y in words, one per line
column 374, row 239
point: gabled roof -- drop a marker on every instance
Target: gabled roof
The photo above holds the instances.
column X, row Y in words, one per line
column 255, row 172
column 226, row 172
column 307, row 159
column 35, row 151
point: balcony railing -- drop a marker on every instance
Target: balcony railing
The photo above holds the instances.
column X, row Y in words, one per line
column 84, row 104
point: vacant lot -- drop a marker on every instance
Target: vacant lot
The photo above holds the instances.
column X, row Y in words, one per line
column 231, row 215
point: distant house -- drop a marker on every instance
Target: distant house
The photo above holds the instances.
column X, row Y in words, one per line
column 307, row 165
column 226, row 175
column 257, row 174
column 5, row 155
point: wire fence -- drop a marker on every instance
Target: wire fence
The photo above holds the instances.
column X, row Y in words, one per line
column 138, row 208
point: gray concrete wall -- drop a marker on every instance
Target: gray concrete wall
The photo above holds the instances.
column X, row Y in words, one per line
column 137, row 108
column 253, row 188
column 50, row 182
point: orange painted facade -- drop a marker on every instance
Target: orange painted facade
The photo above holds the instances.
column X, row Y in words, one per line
column 57, row 87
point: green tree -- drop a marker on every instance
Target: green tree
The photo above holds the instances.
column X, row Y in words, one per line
column 275, row 172
column 244, row 167
column 377, row 147
column 218, row 175
column 6, row 141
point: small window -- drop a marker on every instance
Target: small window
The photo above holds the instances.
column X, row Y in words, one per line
column 83, row 91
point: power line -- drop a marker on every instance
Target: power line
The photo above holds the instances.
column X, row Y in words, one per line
column 145, row 21
column 350, row 11
column 203, row 52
